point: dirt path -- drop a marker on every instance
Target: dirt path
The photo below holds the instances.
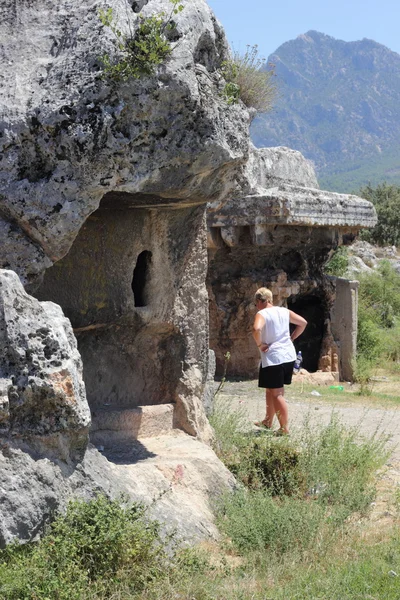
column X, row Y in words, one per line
column 251, row 399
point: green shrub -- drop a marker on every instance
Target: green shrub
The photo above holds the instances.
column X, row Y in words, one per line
column 386, row 199
column 268, row 463
column 390, row 339
column 95, row 546
column 369, row 336
column 296, row 490
column 141, row 52
column 379, row 294
column 363, row 370
column 378, row 334
column 338, row 263
column 246, row 78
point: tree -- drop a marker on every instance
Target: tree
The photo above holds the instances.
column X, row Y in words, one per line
column 386, row 199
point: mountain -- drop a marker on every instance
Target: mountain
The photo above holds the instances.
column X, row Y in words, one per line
column 339, row 104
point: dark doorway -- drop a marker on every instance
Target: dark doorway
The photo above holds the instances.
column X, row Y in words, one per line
column 311, row 308
column 141, row 278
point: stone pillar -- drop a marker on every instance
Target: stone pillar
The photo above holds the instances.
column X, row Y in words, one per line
column 344, row 324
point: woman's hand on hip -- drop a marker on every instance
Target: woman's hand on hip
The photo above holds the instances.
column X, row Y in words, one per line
column 264, row 347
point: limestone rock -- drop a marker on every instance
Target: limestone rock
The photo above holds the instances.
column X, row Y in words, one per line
column 178, row 480
column 366, row 252
column 365, row 258
column 269, row 167
column 69, row 136
column 43, row 402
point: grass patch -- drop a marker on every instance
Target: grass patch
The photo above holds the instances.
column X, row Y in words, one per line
column 372, row 574
column 296, row 489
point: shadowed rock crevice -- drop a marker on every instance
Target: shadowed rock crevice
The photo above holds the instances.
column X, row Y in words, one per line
column 141, row 276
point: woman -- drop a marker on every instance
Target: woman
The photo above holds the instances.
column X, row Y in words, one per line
column 272, row 335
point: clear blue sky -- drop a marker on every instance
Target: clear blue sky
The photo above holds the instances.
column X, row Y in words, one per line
column 270, row 24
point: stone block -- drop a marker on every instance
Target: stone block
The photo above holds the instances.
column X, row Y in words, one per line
column 116, row 425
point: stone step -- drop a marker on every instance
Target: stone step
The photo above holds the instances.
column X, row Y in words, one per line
column 117, row 425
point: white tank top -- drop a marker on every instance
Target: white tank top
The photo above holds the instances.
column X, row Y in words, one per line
column 276, row 334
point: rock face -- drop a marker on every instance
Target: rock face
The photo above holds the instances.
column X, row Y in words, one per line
column 109, row 181
column 281, row 237
column 69, row 137
column 176, row 476
column 43, row 402
column 103, row 191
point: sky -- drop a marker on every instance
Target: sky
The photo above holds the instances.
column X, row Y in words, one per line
column 270, row 24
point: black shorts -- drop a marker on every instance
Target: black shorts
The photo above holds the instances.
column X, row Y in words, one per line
column 276, row 376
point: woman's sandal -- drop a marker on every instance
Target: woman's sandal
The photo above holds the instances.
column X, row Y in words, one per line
column 261, row 424
column 280, row 433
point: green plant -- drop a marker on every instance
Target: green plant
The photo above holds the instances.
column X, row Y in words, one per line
column 363, row 369
column 338, row 263
column 265, row 462
column 378, row 321
column 247, row 79
column 391, row 342
column 141, row 52
column 94, row 546
column 386, row 199
column 254, row 521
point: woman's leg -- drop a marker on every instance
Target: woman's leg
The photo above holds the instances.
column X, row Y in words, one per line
column 280, row 407
column 270, row 408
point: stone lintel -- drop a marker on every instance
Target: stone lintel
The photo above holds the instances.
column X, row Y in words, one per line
column 264, row 235
column 292, row 205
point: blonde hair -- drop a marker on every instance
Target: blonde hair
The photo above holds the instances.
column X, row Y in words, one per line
column 264, row 295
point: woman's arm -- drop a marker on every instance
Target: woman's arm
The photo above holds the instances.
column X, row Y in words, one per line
column 300, row 323
column 258, row 325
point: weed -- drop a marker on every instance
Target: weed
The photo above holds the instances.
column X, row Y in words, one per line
column 247, row 79
column 363, row 370
column 254, row 521
column 340, row 465
column 267, row 463
column 338, row 263
column 142, row 51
